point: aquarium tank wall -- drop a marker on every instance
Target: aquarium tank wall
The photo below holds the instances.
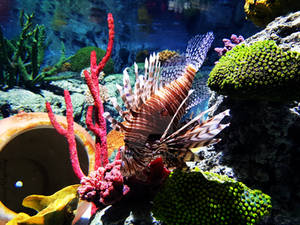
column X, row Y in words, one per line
column 149, row 112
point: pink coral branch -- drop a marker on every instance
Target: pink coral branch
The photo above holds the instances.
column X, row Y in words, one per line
column 105, row 184
column 229, row 44
column 68, row 133
column 111, row 34
column 54, row 122
column 98, row 127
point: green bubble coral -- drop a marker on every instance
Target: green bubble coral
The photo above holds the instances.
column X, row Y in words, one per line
column 207, row 198
column 259, row 71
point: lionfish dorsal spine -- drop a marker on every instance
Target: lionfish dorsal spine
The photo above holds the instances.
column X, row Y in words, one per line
column 116, row 106
column 114, row 124
column 127, row 90
column 194, row 120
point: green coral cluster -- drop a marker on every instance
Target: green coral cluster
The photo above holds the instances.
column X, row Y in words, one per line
column 81, row 59
column 207, row 198
column 259, row 71
column 22, row 57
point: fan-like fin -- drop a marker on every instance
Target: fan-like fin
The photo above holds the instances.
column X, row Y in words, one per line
column 200, row 135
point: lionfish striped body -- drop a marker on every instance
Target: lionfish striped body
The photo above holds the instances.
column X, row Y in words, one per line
column 151, row 122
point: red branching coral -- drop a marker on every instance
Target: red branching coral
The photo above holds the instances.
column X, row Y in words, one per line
column 105, row 185
column 68, row 133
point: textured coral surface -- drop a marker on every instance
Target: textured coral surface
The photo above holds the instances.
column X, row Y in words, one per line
column 261, row 70
column 208, row 198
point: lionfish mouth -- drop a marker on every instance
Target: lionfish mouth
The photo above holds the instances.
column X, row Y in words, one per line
column 154, row 108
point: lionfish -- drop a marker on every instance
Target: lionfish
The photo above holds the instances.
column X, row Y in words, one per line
column 155, row 106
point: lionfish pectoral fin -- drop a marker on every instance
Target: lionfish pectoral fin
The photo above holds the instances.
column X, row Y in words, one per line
column 179, row 144
column 116, row 106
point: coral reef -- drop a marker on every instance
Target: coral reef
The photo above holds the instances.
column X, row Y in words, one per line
column 198, row 197
column 261, row 145
column 21, row 59
column 80, row 60
column 283, row 30
column 107, row 185
column 262, row 12
column 259, row 71
column 104, row 185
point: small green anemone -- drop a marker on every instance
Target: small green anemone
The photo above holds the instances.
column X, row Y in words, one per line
column 259, row 71
column 207, row 198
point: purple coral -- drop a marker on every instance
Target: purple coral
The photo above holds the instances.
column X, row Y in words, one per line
column 229, row 44
column 105, row 185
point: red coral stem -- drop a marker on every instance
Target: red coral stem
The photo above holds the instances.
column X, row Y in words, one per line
column 94, row 118
column 110, row 21
column 68, row 133
column 54, row 122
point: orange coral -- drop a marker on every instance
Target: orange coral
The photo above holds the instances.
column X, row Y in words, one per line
column 115, row 140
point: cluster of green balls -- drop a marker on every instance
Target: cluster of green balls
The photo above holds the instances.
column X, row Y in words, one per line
column 204, row 198
column 259, row 71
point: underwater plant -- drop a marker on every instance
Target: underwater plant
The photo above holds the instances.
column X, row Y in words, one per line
column 258, row 71
column 21, row 59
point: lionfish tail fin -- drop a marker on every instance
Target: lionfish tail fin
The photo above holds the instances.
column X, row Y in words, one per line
column 197, row 49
